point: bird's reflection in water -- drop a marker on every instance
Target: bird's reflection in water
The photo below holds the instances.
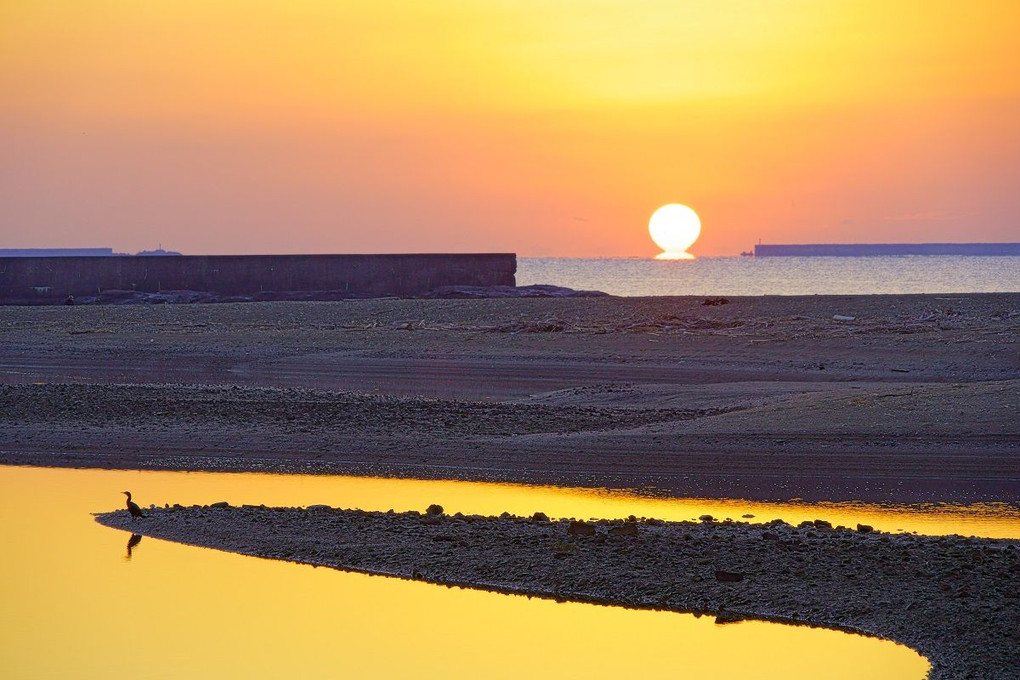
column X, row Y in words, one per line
column 132, row 542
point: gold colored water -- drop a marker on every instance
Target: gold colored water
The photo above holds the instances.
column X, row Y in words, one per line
column 75, row 605
column 368, row 493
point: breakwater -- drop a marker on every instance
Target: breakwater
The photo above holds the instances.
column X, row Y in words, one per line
column 48, row 280
column 868, row 249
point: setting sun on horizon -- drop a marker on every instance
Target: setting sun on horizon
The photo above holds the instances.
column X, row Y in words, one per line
column 538, row 128
column 674, row 228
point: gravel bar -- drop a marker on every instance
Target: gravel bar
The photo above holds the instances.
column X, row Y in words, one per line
column 953, row 599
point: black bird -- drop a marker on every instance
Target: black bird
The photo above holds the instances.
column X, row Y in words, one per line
column 132, row 542
column 132, row 506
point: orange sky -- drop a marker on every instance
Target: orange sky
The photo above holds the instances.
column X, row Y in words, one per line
column 542, row 128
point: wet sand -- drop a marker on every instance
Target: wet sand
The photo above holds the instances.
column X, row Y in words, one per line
column 952, row 599
column 878, row 398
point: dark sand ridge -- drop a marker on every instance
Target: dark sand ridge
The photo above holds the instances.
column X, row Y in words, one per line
column 914, row 399
column 953, row 599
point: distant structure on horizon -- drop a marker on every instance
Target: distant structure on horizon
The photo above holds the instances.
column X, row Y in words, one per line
column 80, row 252
column 158, row 252
column 868, row 249
column 56, row 252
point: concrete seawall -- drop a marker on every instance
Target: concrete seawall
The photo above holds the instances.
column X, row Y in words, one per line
column 47, row 280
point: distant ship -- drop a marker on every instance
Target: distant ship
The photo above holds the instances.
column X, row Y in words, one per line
column 869, row 249
column 159, row 252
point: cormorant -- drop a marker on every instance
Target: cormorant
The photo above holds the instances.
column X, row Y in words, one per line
column 132, row 542
column 132, row 506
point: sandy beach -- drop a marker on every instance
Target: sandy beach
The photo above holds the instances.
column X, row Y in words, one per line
column 877, row 398
column 900, row 399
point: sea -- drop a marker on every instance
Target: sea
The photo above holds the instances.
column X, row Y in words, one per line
column 871, row 275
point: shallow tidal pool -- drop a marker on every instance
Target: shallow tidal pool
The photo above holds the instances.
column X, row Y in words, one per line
column 78, row 602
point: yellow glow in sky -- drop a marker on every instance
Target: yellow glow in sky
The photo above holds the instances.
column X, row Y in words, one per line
column 542, row 128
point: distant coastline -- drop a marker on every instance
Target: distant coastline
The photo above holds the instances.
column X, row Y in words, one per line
column 81, row 252
column 869, row 249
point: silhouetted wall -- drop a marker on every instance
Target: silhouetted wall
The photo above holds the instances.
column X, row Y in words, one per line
column 52, row 279
column 864, row 249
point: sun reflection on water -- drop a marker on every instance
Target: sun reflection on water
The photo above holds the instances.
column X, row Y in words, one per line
column 76, row 606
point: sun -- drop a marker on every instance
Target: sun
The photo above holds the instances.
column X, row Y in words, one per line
column 674, row 228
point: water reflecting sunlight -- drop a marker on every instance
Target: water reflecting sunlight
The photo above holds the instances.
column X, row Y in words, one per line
column 84, row 601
